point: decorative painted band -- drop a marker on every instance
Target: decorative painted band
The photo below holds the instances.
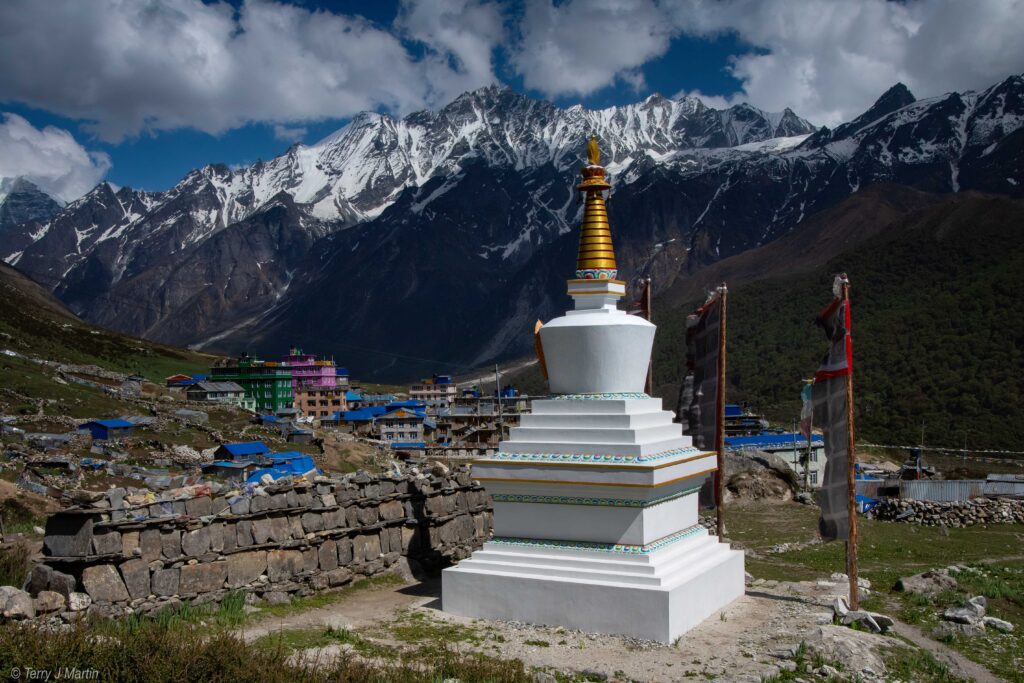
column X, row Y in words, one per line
column 625, row 548
column 587, row 457
column 601, row 502
column 622, row 396
column 597, row 274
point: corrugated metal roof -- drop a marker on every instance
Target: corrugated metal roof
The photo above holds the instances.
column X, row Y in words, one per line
column 771, row 440
column 218, row 386
column 246, row 448
column 942, row 491
column 109, row 424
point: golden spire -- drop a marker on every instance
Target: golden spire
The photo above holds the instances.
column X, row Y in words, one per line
column 596, row 259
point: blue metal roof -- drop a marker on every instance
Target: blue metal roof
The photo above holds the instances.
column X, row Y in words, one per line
column 230, row 463
column 246, row 448
column 109, row 424
column 353, row 396
column 408, row 444
column 763, row 440
column 733, row 410
column 411, row 403
column 363, row 414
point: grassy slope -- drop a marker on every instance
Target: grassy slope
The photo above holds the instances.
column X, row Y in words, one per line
column 938, row 329
column 34, row 323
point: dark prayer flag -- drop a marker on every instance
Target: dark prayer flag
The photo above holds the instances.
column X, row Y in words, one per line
column 698, row 396
column 830, row 412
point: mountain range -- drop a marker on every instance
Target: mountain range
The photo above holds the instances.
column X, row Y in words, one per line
column 433, row 242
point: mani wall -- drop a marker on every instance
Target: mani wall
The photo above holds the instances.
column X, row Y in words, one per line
column 273, row 542
column 952, row 514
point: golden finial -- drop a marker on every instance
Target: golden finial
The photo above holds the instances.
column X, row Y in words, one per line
column 593, row 153
column 596, row 258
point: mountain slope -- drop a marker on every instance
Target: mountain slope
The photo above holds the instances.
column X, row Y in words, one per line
column 459, row 220
column 937, row 315
column 21, row 201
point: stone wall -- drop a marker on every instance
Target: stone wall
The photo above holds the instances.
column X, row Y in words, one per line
column 955, row 514
column 272, row 541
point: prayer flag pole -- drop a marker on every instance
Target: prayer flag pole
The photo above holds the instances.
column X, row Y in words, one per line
column 851, row 481
column 720, row 416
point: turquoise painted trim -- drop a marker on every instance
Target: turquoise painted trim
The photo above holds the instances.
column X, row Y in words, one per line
column 601, row 502
column 599, row 397
column 572, row 458
column 625, row 548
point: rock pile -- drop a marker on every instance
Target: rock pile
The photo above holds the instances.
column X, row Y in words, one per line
column 119, row 555
column 954, row 514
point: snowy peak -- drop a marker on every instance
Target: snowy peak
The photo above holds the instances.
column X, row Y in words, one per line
column 21, row 201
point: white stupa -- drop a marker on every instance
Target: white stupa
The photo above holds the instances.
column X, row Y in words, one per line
column 595, row 493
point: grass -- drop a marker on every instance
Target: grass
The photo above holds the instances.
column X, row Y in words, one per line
column 14, row 564
column 294, row 640
column 420, row 627
column 1003, row 585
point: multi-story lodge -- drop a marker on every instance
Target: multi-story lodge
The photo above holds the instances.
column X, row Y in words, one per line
column 436, row 392
column 267, row 382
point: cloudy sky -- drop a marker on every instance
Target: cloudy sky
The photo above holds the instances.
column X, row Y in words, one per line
column 142, row 91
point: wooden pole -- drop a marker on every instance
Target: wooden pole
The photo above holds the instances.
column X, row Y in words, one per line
column 851, row 482
column 649, row 315
column 720, row 416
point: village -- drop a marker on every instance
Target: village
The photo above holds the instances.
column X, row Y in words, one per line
column 279, row 480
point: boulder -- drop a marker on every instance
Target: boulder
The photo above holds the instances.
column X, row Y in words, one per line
column 204, row 577
column 49, row 601
column 195, row 543
column 78, row 602
column 855, row 650
column 282, row 565
column 244, row 568
column 928, row 583
column 165, row 582
column 136, row 577
column 998, row 624
column 16, row 603
column 949, row 629
column 103, row 584
column 961, row 615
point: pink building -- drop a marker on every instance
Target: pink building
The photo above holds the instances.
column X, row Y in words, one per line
column 310, row 373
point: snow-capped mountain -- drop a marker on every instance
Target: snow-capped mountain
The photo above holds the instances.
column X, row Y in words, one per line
column 469, row 210
column 21, row 201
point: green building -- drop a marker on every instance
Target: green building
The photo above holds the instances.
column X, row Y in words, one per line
column 267, row 382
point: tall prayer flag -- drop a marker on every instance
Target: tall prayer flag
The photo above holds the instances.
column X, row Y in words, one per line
column 699, row 394
column 831, row 409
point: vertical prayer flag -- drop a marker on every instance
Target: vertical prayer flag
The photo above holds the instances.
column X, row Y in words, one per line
column 698, row 396
column 829, row 397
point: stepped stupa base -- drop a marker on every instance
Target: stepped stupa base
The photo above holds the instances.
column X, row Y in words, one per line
column 656, row 592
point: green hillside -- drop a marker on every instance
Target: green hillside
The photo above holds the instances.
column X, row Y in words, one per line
column 938, row 321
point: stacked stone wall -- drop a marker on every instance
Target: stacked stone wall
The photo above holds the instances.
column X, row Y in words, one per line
column 274, row 542
column 953, row 514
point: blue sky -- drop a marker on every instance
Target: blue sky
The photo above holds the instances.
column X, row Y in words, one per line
column 141, row 93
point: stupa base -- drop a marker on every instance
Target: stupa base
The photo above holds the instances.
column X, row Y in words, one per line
column 656, row 594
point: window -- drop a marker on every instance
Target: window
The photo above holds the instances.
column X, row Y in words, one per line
column 814, row 455
column 814, row 478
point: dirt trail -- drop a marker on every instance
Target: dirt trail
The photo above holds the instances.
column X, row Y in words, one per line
column 957, row 663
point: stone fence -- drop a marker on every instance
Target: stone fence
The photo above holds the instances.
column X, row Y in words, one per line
column 272, row 541
column 954, row 514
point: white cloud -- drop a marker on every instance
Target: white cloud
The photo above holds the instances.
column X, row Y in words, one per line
column 131, row 66
column 581, row 46
column 827, row 60
column 51, row 158
column 289, row 133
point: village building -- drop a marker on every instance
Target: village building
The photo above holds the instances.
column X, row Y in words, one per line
column 791, row 447
column 231, row 470
column 740, row 421
column 107, row 430
column 241, row 451
column 320, row 402
column 403, row 424
column 308, row 371
column 436, row 392
column 220, row 392
column 266, row 382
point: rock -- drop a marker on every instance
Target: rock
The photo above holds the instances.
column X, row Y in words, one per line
column 39, row 579
column 544, row 677
column 998, row 624
column 202, row 578
column 136, row 577
column 826, row 671
column 927, row 583
column 840, row 607
column 588, row 674
column 78, row 602
column 948, row 629
column 16, row 603
column 853, row 649
column 165, row 582
column 195, row 543
column 244, row 568
column 62, row 583
column 103, row 583
column 276, row 598
column 961, row 615
column 282, row 565
column 977, row 604
column 49, row 601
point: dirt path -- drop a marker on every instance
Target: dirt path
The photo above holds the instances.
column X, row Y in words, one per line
column 957, row 663
column 747, row 641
